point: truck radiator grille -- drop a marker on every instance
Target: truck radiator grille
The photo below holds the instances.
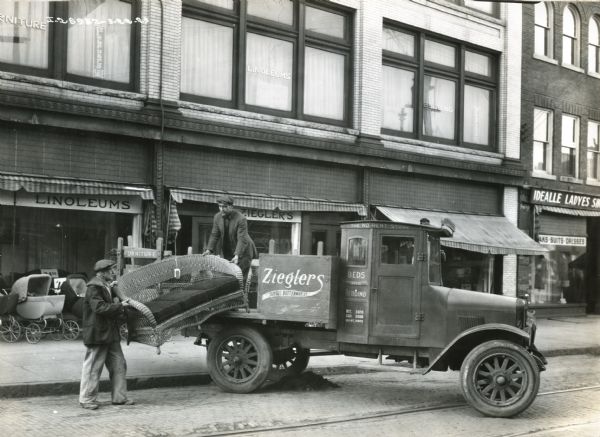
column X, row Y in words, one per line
column 466, row 322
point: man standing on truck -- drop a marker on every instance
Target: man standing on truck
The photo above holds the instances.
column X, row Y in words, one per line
column 103, row 312
column 230, row 229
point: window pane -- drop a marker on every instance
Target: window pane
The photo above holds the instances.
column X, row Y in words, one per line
column 593, row 58
column 100, row 51
column 398, row 42
column 540, row 40
column 594, row 32
column 269, row 63
column 324, row 22
column 206, row 59
column 24, row 43
column 540, row 125
column 478, row 64
column 438, row 109
column 541, row 14
column 323, row 84
column 397, row 250
column 440, row 53
column 593, row 161
column 397, row 99
column 569, row 131
column 477, row 115
column 227, row 4
column 357, row 252
column 487, row 7
column 281, row 11
column 568, row 23
column 593, row 135
column 567, row 53
column 539, row 156
column 567, row 161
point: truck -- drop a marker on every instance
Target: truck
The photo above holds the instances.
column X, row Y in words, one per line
column 383, row 295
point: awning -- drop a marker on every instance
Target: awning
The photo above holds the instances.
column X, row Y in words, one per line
column 486, row 234
column 36, row 184
column 570, row 211
column 261, row 201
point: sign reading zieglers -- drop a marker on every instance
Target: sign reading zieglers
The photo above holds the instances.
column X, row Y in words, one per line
column 568, row 200
column 561, row 240
column 83, row 202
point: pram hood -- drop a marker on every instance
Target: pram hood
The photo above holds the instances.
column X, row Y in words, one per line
column 32, row 285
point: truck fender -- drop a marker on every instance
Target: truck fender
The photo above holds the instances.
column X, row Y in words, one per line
column 467, row 340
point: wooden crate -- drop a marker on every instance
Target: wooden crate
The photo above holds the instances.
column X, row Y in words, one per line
column 300, row 288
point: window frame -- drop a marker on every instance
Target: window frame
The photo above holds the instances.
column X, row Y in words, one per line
column 458, row 74
column 576, row 146
column 296, row 33
column 595, row 47
column 593, row 151
column 57, row 52
column 548, row 146
column 575, row 40
column 548, row 29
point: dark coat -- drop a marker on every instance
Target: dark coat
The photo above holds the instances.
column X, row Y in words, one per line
column 239, row 241
column 101, row 316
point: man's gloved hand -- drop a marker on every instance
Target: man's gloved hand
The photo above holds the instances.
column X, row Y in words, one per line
column 206, row 252
column 234, row 259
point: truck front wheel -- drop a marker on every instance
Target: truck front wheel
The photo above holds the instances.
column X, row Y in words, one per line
column 239, row 359
column 499, row 378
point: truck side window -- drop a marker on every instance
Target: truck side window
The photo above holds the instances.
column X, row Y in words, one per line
column 433, row 255
column 397, row 250
column 357, row 251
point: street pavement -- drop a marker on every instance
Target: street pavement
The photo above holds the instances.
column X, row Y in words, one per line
column 54, row 367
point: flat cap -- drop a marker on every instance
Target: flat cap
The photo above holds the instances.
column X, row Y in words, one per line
column 103, row 264
column 225, row 200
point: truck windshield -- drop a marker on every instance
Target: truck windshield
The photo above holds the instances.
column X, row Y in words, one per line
column 433, row 255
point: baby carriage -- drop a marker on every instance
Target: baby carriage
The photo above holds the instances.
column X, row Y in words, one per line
column 10, row 330
column 38, row 313
column 73, row 288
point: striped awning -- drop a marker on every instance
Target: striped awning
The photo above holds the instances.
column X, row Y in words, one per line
column 493, row 235
column 265, row 202
column 36, row 184
column 570, row 211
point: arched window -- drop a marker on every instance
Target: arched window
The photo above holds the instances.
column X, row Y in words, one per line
column 570, row 51
column 594, row 46
column 543, row 29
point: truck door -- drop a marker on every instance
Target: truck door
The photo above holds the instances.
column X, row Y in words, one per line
column 395, row 289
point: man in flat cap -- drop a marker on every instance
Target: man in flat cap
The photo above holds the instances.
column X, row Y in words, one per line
column 230, row 228
column 103, row 313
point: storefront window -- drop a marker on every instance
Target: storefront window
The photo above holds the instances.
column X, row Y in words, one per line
column 24, row 33
column 559, row 277
column 269, row 77
column 101, row 51
column 63, row 240
column 206, row 59
column 262, row 232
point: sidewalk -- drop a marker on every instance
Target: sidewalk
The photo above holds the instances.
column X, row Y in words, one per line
column 53, row 367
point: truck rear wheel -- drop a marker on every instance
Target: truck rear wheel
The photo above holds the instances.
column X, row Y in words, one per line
column 292, row 360
column 499, row 378
column 239, row 359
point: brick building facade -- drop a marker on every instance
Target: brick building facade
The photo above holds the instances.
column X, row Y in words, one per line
column 560, row 124
column 380, row 109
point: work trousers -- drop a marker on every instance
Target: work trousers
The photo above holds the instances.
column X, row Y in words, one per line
column 96, row 357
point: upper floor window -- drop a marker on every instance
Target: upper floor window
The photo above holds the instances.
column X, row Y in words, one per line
column 569, row 146
column 593, row 150
column 570, row 49
column 594, row 46
column 284, row 57
column 543, row 29
column 88, row 41
column 490, row 8
column 438, row 90
column 542, row 140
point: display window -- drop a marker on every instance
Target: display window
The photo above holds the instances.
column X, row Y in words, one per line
column 559, row 276
column 33, row 240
